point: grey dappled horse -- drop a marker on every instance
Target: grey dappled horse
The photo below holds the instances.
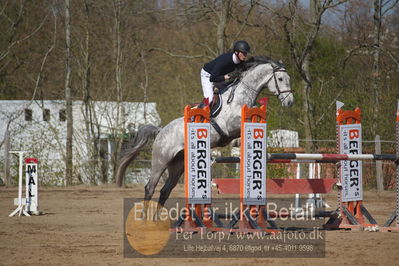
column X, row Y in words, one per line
column 168, row 146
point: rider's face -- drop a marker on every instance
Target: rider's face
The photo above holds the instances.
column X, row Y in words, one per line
column 242, row 56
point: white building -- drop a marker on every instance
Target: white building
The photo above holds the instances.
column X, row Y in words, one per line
column 39, row 127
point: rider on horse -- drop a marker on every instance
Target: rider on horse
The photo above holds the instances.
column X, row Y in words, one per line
column 216, row 71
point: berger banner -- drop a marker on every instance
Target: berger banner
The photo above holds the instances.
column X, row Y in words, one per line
column 199, row 163
column 351, row 171
column 254, row 163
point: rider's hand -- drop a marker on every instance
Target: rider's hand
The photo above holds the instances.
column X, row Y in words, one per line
column 226, row 77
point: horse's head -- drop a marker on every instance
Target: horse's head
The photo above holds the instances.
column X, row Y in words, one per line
column 278, row 83
column 272, row 75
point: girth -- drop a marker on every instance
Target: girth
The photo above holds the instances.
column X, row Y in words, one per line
column 224, row 138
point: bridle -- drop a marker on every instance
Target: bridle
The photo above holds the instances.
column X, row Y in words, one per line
column 278, row 68
column 275, row 70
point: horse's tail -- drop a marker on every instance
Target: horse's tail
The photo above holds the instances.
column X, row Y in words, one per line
column 144, row 134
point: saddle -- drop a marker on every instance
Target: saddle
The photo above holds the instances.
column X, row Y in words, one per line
column 215, row 106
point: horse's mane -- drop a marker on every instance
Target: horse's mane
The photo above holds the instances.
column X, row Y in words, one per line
column 258, row 60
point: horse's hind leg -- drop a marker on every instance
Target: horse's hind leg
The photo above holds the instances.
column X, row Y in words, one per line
column 175, row 169
column 156, row 172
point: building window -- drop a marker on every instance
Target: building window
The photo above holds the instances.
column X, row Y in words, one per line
column 28, row 114
column 46, row 114
column 62, row 115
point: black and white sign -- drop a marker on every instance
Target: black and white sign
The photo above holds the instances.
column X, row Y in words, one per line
column 32, row 193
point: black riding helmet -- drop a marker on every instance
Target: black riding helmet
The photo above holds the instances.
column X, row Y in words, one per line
column 241, row 46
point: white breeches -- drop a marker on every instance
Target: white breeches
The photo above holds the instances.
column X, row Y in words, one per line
column 207, row 85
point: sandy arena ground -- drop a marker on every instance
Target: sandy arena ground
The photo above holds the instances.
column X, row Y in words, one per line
column 83, row 225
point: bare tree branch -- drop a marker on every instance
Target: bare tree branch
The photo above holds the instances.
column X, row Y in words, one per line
column 38, row 78
column 39, row 75
column 330, row 106
column 12, row 44
column 331, row 4
column 244, row 23
column 2, row 12
column 388, row 8
column 353, row 52
column 175, row 55
column 279, row 14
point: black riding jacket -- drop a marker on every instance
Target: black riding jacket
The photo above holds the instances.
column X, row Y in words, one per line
column 221, row 66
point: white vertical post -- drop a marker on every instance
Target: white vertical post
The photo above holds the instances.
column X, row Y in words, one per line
column 7, row 178
column 315, row 200
column 378, row 165
column 21, row 161
column 298, row 208
column 318, row 177
column 311, row 202
column 21, row 204
column 312, row 174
